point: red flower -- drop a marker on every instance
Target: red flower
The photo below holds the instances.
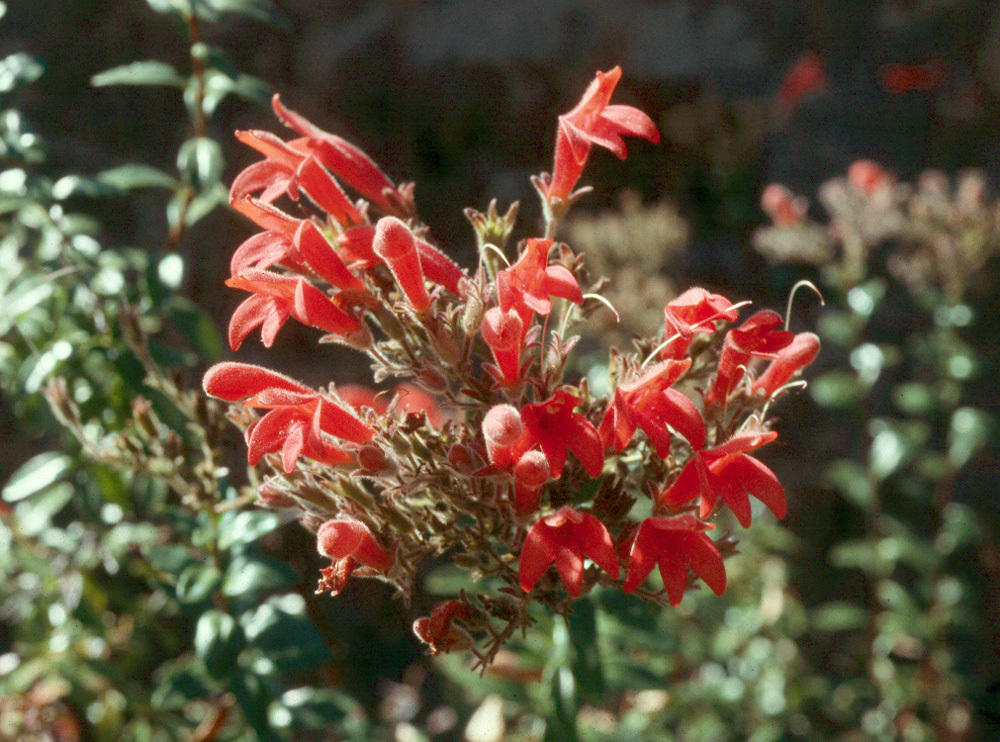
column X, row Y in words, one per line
column 348, row 543
column 295, row 243
column 726, row 472
column 393, row 242
column 530, row 472
column 554, row 426
column 504, row 332
column 806, row 76
column 404, row 398
column 527, row 285
column 345, row 161
column 276, row 298
column 695, row 310
column 782, row 206
column 566, row 537
column 593, row 121
column 647, row 402
column 286, row 170
column 758, row 336
column 357, row 243
column 868, row 177
column 674, row 544
column 502, row 428
column 437, row 631
column 297, row 419
column 791, row 359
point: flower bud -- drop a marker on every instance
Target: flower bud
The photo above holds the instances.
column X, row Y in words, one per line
column 502, row 427
column 530, row 473
column 395, row 244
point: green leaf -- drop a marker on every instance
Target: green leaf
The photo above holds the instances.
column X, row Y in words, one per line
column 252, row 575
column 200, row 162
column 894, row 443
column 838, row 615
column 320, row 709
column 851, row 480
column 245, row 527
column 218, row 640
column 17, row 70
column 284, row 635
column 150, row 72
column 36, row 474
column 129, row 177
column 261, row 10
column 35, row 515
column 198, row 327
column 253, row 699
column 835, row 389
column 197, row 582
column 914, row 398
column 969, row 431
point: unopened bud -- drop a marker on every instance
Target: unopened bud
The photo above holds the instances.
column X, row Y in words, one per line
column 502, row 428
column 472, row 315
column 372, row 459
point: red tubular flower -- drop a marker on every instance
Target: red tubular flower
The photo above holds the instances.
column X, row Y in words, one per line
column 405, row 398
column 782, row 206
column 436, row 630
column 674, row 544
column 297, row 420
column 726, row 472
column 868, row 177
column 791, row 359
column 530, row 472
column 758, row 336
column 566, row 537
column 393, row 242
column 593, row 121
column 286, row 170
column 502, row 428
column 696, row 310
column 276, row 298
column 554, row 426
column 345, row 161
column 357, row 244
column 295, row 243
column 348, row 543
column 337, row 539
column 527, row 285
column 649, row 403
column 504, row 332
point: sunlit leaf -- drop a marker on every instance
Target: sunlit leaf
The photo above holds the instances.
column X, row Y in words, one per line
column 150, row 72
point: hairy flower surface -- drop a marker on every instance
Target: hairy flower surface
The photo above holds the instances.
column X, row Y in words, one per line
column 594, row 121
column 565, row 538
column 673, row 545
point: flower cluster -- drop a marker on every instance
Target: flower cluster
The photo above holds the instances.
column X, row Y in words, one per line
column 940, row 234
column 485, row 453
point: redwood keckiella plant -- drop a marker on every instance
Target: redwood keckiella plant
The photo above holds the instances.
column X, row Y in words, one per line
column 486, row 454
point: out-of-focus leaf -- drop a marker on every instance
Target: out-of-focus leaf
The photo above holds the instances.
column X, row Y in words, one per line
column 835, row 389
column 245, row 527
column 200, row 162
column 261, row 10
column 968, row 432
column 894, row 443
column 36, row 474
column 218, row 639
column 198, row 327
column 914, row 398
column 254, row 700
column 17, row 70
column 838, row 615
column 151, row 72
column 285, row 637
column 35, row 514
column 177, row 685
column 129, row 177
column 197, row 582
column 851, row 480
column 251, row 575
column 321, row 709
